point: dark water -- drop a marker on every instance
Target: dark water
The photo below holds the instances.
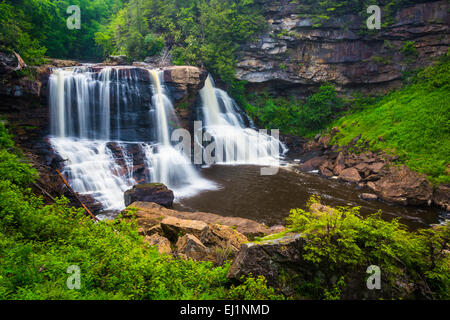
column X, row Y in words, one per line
column 243, row 192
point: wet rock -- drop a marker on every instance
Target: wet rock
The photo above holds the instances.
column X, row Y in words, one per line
column 162, row 243
column 350, row 175
column 184, row 81
column 369, row 196
column 339, row 164
column 150, row 192
column 311, row 164
column 441, row 196
column 403, row 186
column 325, row 171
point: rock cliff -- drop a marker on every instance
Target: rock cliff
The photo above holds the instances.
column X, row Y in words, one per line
column 294, row 57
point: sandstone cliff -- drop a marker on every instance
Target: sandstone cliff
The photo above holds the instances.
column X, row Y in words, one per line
column 293, row 57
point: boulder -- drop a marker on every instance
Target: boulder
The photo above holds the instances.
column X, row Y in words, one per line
column 339, row 164
column 162, row 243
column 281, row 261
column 403, row 186
column 150, row 192
column 173, row 228
column 184, row 81
column 325, row 172
column 376, row 167
column 350, row 175
column 441, row 196
column 191, row 247
column 268, row 258
column 311, row 164
column 224, row 237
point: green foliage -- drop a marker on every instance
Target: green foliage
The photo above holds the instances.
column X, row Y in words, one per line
column 321, row 11
column 292, row 116
column 14, row 34
column 37, row 27
column 253, row 289
column 409, row 51
column 412, row 122
column 39, row 242
column 198, row 32
column 340, row 241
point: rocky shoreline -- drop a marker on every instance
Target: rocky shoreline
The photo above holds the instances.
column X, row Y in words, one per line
column 198, row 235
column 377, row 171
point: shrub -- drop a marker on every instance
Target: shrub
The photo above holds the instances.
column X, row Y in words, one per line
column 340, row 241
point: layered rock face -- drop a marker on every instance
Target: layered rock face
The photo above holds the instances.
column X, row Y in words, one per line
column 293, row 57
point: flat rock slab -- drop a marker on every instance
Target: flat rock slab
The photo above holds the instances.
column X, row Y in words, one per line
column 247, row 227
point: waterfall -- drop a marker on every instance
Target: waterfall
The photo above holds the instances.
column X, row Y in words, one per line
column 111, row 136
column 235, row 144
column 171, row 167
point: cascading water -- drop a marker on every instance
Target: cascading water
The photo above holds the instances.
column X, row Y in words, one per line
column 111, row 138
column 235, row 144
column 171, row 167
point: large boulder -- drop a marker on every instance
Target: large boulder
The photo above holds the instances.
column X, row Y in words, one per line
column 268, row 258
column 282, row 262
column 403, row 186
column 150, row 192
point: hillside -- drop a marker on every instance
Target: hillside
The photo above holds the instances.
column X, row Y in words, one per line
column 413, row 123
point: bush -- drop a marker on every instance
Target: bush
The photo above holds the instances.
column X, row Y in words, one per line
column 292, row 116
column 341, row 241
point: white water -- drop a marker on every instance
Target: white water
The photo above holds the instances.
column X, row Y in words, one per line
column 81, row 119
column 170, row 166
column 235, row 144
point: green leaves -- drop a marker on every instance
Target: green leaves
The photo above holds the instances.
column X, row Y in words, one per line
column 339, row 241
